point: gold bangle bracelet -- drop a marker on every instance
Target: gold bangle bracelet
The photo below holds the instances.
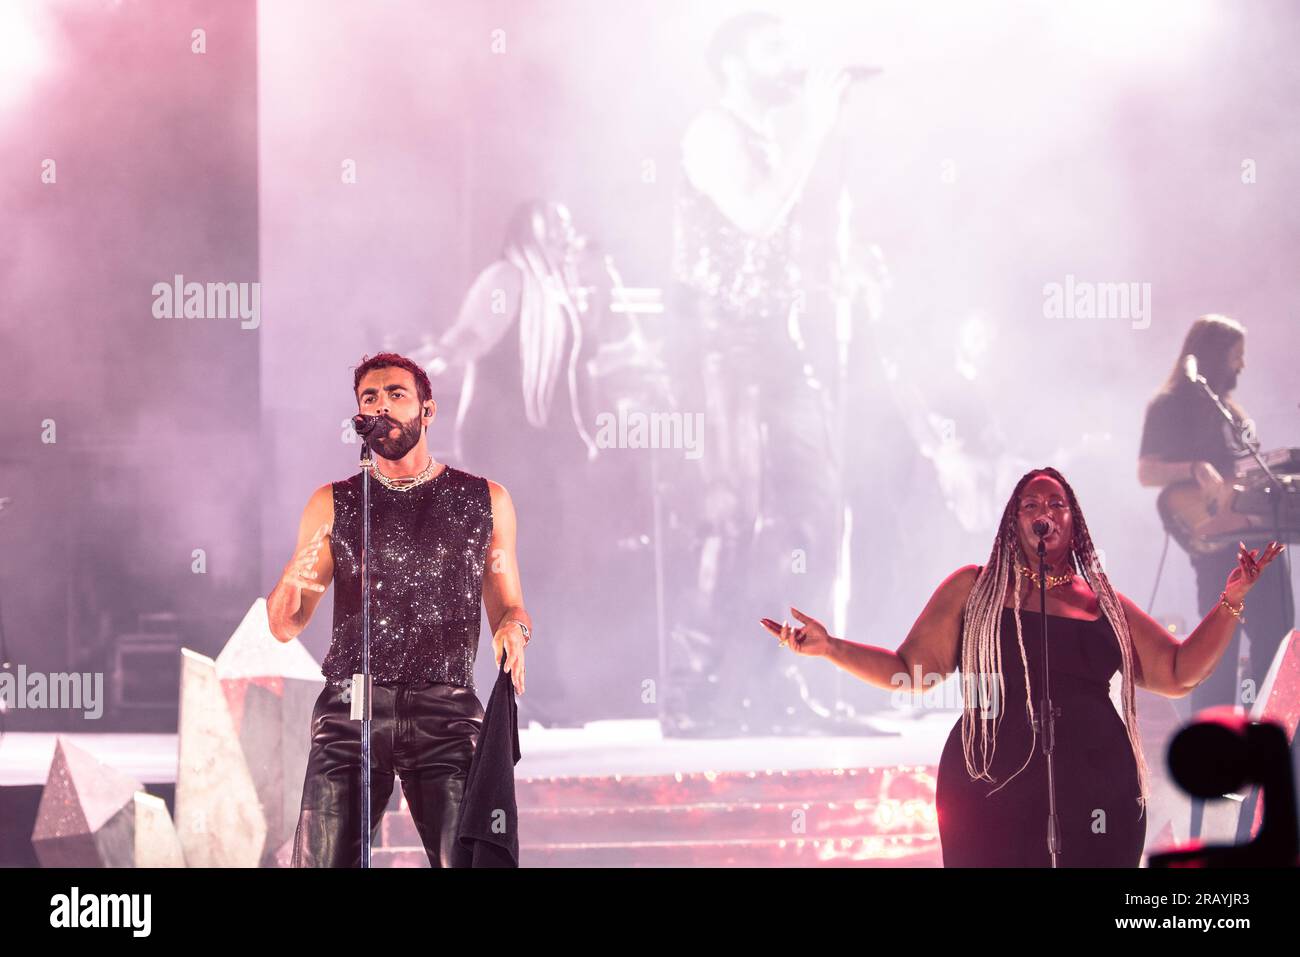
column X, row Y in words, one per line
column 1237, row 610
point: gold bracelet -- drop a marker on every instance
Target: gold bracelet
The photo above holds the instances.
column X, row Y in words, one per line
column 1236, row 612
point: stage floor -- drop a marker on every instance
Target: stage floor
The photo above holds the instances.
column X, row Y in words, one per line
column 618, row 793
column 598, row 748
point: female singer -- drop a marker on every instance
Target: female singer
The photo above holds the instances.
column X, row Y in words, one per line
column 992, row 783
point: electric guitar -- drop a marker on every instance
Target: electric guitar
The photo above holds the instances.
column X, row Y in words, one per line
column 1205, row 524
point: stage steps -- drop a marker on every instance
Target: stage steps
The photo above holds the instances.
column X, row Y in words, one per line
column 809, row 818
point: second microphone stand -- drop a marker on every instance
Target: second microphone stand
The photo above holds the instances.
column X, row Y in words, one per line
column 1045, row 719
column 1276, row 488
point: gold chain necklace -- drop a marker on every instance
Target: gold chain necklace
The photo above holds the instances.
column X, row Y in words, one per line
column 403, row 484
column 1052, row 580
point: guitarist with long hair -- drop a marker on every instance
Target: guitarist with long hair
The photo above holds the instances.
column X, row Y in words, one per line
column 1190, row 450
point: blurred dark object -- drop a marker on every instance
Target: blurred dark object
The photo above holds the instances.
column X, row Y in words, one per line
column 146, row 671
column 1223, row 752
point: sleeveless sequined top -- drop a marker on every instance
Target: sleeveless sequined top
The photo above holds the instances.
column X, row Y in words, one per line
column 428, row 552
column 713, row 258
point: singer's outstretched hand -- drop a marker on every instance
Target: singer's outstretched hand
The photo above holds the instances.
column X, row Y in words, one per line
column 812, row 639
column 1249, row 565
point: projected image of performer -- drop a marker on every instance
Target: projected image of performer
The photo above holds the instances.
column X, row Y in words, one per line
column 1191, row 451
column 519, row 335
column 535, row 352
column 764, row 491
column 432, row 530
column 992, row 796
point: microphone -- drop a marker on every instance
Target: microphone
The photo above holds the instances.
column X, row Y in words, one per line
column 364, row 425
column 1043, row 527
column 1189, row 368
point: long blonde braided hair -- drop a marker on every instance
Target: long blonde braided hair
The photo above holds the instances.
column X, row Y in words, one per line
column 981, row 650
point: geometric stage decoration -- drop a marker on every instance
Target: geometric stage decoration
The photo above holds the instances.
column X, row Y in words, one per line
column 244, row 739
column 218, row 816
column 1278, row 701
column 91, row 815
column 156, row 842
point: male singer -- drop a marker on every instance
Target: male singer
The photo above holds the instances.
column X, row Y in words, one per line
column 441, row 542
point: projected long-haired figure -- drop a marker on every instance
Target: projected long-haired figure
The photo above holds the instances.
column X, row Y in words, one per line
column 763, row 493
column 520, row 355
column 992, row 785
column 519, row 334
column 442, row 550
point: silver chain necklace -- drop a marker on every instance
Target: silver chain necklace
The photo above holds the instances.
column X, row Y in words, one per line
column 403, row 484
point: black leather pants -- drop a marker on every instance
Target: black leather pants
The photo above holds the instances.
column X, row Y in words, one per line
column 425, row 734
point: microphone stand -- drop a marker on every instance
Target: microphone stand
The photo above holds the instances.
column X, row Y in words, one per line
column 361, row 685
column 1274, row 484
column 1045, row 720
column 843, row 527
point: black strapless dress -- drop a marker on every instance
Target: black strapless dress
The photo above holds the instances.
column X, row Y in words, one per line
column 1096, row 774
